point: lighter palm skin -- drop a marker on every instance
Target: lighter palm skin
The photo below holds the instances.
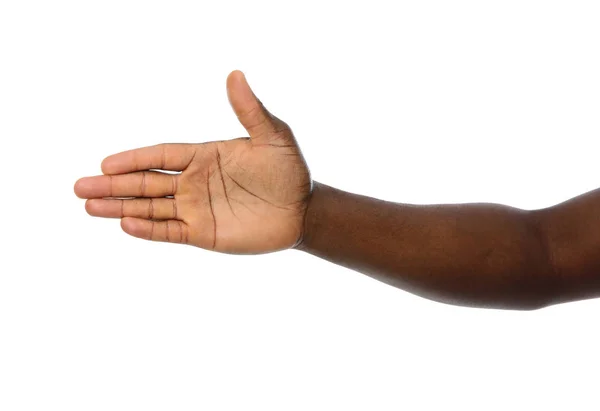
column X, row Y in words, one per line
column 241, row 196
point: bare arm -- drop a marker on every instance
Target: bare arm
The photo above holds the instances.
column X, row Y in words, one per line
column 484, row 255
column 255, row 195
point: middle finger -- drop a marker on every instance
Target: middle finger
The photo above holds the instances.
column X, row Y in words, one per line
column 140, row 184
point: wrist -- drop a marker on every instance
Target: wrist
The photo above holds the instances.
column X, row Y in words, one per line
column 313, row 216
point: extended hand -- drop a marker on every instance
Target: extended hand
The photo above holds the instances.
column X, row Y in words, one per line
column 247, row 195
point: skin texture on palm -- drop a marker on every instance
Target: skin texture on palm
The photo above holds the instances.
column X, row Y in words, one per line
column 242, row 196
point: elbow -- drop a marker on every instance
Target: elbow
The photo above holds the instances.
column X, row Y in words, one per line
column 534, row 304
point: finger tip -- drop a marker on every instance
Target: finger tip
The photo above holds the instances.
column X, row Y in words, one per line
column 89, row 206
column 105, row 166
column 128, row 224
column 79, row 187
column 235, row 79
column 125, row 223
column 236, row 75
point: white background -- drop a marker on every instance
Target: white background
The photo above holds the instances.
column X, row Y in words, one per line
column 410, row 101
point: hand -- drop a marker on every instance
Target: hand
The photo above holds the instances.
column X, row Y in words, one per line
column 243, row 196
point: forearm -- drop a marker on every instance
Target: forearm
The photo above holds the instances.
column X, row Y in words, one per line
column 484, row 255
column 571, row 231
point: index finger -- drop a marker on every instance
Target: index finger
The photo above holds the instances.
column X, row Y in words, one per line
column 172, row 157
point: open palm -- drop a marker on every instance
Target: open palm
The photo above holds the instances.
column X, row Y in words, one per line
column 247, row 195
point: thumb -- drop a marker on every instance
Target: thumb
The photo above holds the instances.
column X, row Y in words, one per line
column 256, row 119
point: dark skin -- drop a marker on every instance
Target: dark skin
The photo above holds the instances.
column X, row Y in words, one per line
column 255, row 195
